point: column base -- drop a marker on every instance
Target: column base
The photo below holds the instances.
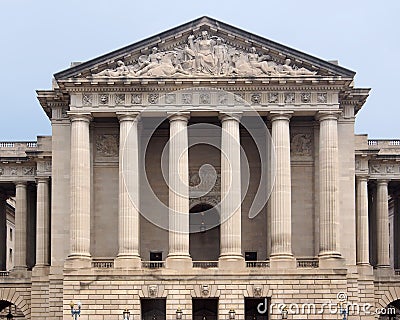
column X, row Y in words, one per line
column 384, row 271
column 231, row 262
column 20, row 272
column 127, row 262
column 40, row 271
column 331, row 260
column 282, row 261
column 78, row 262
column 179, row 262
column 365, row 269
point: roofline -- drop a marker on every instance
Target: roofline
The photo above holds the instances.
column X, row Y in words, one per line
column 194, row 23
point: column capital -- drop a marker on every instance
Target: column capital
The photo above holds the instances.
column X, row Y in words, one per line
column 80, row 116
column 382, row 181
column 363, row 177
column 178, row 116
column 44, row 179
column 225, row 116
column 127, row 116
column 327, row 115
column 20, row 183
column 280, row 115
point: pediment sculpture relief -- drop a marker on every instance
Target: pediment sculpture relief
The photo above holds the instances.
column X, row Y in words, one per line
column 204, row 55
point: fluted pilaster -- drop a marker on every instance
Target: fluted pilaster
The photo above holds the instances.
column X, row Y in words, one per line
column 42, row 224
column 21, row 212
column 80, row 187
column 128, row 217
column 3, row 233
column 231, row 198
column 280, row 202
column 329, row 186
column 362, row 221
column 382, row 224
column 178, row 182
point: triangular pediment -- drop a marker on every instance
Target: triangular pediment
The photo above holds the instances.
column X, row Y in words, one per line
column 204, row 48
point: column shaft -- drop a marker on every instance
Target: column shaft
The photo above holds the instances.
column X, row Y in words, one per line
column 42, row 224
column 80, row 187
column 21, row 209
column 329, row 186
column 382, row 224
column 362, row 221
column 231, row 197
column 281, row 211
column 128, row 255
column 178, row 191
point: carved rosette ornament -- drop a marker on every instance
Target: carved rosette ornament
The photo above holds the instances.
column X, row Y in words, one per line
column 204, row 54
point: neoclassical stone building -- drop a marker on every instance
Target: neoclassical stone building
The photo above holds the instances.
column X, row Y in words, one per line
column 202, row 170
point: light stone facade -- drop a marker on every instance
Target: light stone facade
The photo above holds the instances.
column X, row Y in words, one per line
column 149, row 137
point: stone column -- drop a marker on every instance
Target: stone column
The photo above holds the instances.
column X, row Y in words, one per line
column 80, row 190
column 328, row 186
column 42, row 224
column 21, row 211
column 128, row 213
column 362, row 221
column 231, row 197
column 178, row 256
column 3, row 233
column 382, row 224
column 281, row 208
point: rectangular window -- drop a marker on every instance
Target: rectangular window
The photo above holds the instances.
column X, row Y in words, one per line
column 250, row 255
column 11, row 234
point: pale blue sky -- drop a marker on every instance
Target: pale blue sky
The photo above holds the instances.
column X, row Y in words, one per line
column 42, row 37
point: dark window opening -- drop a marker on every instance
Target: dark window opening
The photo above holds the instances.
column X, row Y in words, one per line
column 250, row 255
column 153, row 309
column 256, row 308
column 205, row 309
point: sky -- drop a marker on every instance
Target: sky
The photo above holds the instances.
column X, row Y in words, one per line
column 42, row 37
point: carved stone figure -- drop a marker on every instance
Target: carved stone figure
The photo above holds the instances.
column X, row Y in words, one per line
column 13, row 171
column 257, row 291
column 287, row 69
column 204, row 55
column 136, row 98
column 1, row 171
column 28, row 171
column 273, row 97
column 120, row 71
column 153, row 290
column 375, row 168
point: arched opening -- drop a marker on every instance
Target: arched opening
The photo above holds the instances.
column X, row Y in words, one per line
column 204, row 236
column 10, row 311
column 391, row 312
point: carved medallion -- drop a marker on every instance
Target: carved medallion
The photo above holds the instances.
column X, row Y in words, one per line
column 306, row 97
column 87, row 99
column 103, row 99
column 257, row 291
column 107, row 145
column 289, row 97
column 120, row 99
column 256, row 98
column 186, row 98
column 273, row 97
column 205, row 98
column 153, row 98
column 322, row 97
column 136, row 98
column 170, row 98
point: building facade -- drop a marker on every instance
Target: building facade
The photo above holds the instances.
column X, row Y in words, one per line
column 203, row 173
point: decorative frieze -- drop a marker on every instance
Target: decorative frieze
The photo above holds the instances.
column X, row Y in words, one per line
column 200, row 97
column 384, row 169
column 17, row 171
